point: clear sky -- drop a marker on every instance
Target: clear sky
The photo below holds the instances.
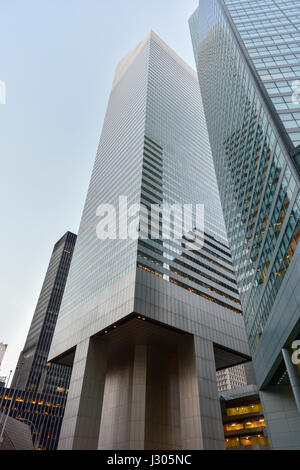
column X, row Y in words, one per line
column 57, row 59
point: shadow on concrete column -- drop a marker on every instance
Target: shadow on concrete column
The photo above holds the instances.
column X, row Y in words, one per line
column 80, row 428
column 143, row 386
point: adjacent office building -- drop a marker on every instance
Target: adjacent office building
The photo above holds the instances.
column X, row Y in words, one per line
column 142, row 317
column 33, row 371
column 236, row 377
column 231, row 378
column 248, row 59
column 43, row 412
column 2, row 351
column 39, row 388
column 243, row 420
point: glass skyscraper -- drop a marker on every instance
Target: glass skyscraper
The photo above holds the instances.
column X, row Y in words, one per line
column 270, row 31
column 32, row 372
column 140, row 318
column 248, row 60
column 39, row 389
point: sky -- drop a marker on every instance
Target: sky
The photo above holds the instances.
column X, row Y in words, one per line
column 57, row 60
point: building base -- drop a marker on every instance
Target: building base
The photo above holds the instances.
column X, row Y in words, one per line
column 143, row 386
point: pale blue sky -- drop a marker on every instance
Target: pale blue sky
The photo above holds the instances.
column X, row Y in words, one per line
column 57, row 58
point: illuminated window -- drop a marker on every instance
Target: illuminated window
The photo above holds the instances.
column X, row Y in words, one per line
column 257, row 408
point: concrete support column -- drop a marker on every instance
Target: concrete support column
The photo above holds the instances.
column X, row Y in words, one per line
column 201, row 418
column 149, row 388
column 162, row 398
column 210, row 409
column 123, row 417
column 141, row 398
column 190, row 418
column 209, row 398
column 138, row 405
column 293, row 373
column 80, row 427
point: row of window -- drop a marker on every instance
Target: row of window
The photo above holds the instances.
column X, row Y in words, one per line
column 187, row 287
column 257, row 439
column 248, row 424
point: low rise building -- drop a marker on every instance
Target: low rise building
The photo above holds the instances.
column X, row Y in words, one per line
column 243, row 419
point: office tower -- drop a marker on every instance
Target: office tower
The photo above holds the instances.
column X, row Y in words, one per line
column 248, row 59
column 33, row 372
column 2, row 351
column 141, row 318
column 233, row 377
column 39, row 389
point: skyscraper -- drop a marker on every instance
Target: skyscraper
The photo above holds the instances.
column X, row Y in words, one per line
column 33, row 372
column 39, row 389
column 231, row 378
column 2, row 351
column 141, row 318
column 248, row 61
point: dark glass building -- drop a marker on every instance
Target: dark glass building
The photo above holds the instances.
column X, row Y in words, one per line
column 248, row 60
column 33, row 372
column 39, row 389
column 42, row 412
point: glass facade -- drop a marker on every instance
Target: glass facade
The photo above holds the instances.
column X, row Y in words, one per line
column 154, row 149
column 39, row 388
column 154, row 311
column 33, row 371
column 257, row 177
column 178, row 169
column 42, row 412
column 270, row 30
